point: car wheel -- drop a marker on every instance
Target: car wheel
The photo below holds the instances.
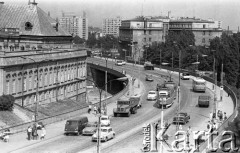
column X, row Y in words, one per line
column 113, row 136
column 106, row 139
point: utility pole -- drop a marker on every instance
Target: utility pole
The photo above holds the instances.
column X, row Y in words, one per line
column 106, row 79
column 221, row 88
column 179, row 85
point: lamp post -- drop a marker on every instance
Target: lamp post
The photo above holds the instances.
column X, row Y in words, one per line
column 179, row 84
column 124, row 54
column 100, row 105
column 37, row 92
column 215, row 80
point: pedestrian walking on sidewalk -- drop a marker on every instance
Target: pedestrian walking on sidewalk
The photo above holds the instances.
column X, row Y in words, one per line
column 29, row 132
column 89, row 108
column 34, row 132
column 225, row 116
column 43, row 134
column 211, row 116
column 95, row 109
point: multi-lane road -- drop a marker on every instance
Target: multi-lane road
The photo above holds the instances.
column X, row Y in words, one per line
column 129, row 129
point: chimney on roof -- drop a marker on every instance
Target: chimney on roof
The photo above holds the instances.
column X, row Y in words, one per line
column 1, row 2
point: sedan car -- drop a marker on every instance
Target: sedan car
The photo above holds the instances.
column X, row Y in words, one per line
column 120, row 63
column 90, row 128
column 181, row 118
column 185, row 76
column 106, row 134
column 152, row 95
column 105, row 120
column 149, row 77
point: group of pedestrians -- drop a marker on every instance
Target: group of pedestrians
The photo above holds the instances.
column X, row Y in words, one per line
column 32, row 132
column 95, row 109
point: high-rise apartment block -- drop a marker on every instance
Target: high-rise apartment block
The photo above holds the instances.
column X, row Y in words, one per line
column 111, row 26
column 75, row 25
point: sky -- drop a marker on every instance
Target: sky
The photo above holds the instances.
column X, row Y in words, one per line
column 227, row 11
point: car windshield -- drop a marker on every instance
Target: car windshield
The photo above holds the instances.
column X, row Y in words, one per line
column 104, row 130
column 151, row 93
column 119, row 61
column 91, row 125
column 71, row 122
column 185, row 74
column 104, row 118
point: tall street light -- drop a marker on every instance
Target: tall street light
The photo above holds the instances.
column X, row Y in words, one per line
column 37, row 86
column 37, row 92
column 100, row 104
column 215, row 80
column 175, row 44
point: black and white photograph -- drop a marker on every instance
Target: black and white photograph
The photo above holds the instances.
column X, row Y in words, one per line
column 119, row 76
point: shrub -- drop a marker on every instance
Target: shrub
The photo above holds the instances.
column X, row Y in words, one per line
column 6, row 102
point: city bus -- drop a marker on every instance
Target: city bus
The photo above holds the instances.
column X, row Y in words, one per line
column 199, row 84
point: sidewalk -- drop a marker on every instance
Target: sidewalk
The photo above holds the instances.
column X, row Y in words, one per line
column 19, row 143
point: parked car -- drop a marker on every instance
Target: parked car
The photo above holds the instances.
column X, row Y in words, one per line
column 152, row 95
column 106, row 134
column 149, row 77
column 90, row 128
column 185, row 76
column 181, row 118
column 105, row 120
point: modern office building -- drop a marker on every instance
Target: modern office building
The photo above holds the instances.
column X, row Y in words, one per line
column 137, row 34
column 37, row 60
column 75, row 25
column 110, row 26
column 203, row 30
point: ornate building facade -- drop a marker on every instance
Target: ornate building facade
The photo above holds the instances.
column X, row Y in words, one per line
column 37, row 61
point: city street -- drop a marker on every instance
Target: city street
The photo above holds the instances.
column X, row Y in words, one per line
column 128, row 130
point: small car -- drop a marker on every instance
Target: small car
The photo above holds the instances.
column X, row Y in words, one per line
column 152, row 95
column 185, row 76
column 90, row 128
column 119, row 63
column 105, row 120
column 149, row 78
column 106, row 134
column 181, row 118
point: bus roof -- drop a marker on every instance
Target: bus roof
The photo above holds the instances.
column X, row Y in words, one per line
column 199, row 80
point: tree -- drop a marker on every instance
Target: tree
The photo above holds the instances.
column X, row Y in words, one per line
column 78, row 40
column 226, row 52
column 6, row 102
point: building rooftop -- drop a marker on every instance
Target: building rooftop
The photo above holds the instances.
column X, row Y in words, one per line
column 192, row 20
column 29, row 19
column 141, row 19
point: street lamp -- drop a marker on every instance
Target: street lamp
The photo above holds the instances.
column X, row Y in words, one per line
column 100, row 104
column 124, row 54
column 37, row 86
column 197, row 63
column 37, row 93
column 178, row 81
